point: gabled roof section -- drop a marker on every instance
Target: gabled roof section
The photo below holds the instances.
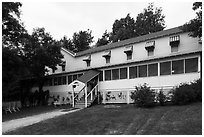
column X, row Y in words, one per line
column 143, row 38
column 69, row 52
column 88, row 76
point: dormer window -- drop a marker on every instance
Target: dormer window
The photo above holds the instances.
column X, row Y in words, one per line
column 107, row 55
column 150, row 45
column 88, row 60
column 63, row 65
column 128, row 50
column 174, row 42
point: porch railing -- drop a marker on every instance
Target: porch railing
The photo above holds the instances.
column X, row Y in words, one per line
column 93, row 92
column 78, row 96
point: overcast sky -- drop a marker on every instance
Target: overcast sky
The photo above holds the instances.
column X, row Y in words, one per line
column 65, row 18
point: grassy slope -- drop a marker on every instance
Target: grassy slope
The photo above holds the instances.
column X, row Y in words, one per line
column 183, row 120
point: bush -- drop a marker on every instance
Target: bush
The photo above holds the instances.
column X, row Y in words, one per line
column 143, row 96
column 187, row 93
column 197, row 88
column 161, row 98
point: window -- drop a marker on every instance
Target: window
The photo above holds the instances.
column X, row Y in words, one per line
column 69, row 79
column 59, row 80
column 88, row 60
column 115, row 74
column 63, row 67
column 88, row 63
column 129, row 55
column 174, row 49
column 132, row 72
column 123, row 73
column 191, row 65
column 128, row 50
column 55, row 81
column 153, row 69
column 107, row 59
column 150, row 45
column 101, row 76
column 74, row 77
column 143, row 71
column 64, row 80
column 174, row 42
column 107, row 55
column 150, row 52
column 165, row 68
column 177, row 67
column 107, row 74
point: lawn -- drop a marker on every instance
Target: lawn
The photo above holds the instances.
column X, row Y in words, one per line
column 125, row 119
column 29, row 111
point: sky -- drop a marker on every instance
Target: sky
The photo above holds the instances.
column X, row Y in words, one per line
column 64, row 18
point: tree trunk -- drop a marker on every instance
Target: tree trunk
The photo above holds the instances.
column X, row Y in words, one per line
column 41, row 94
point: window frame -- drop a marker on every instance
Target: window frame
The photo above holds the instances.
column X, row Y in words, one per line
column 160, row 66
column 136, row 74
column 113, row 74
column 121, row 74
column 153, row 74
column 110, row 73
column 191, row 64
column 139, row 74
column 173, row 69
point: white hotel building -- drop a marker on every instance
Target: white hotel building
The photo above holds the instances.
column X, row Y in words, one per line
column 162, row 60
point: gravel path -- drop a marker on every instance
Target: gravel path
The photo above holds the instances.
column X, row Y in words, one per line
column 22, row 122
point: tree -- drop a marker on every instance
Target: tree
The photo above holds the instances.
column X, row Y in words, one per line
column 13, row 33
column 67, row 43
column 123, row 29
column 149, row 21
column 12, row 28
column 104, row 40
column 82, row 40
column 194, row 26
column 41, row 52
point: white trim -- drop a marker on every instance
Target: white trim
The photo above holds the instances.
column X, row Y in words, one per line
column 68, row 52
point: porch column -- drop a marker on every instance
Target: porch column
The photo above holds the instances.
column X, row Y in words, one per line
column 97, row 92
column 86, row 95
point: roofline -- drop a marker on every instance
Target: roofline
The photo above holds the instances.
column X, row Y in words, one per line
column 69, row 52
column 126, row 42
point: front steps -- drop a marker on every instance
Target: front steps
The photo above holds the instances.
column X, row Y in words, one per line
column 81, row 103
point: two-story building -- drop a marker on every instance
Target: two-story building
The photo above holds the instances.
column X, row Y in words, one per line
column 162, row 60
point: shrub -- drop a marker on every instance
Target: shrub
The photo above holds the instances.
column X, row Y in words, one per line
column 161, row 98
column 143, row 96
column 197, row 88
column 187, row 93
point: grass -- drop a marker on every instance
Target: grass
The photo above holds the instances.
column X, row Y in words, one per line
column 29, row 111
column 127, row 119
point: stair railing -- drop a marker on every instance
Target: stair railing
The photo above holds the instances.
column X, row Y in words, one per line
column 94, row 92
column 78, row 96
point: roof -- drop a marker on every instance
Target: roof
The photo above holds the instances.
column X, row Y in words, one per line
column 163, row 33
column 88, row 76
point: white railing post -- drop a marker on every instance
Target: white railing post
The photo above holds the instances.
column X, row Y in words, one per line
column 97, row 91
column 86, row 95
column 73, row 97
column 92, row 94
